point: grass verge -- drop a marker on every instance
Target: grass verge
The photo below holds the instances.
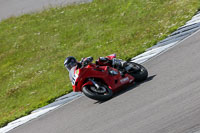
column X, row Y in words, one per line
column 33, row 47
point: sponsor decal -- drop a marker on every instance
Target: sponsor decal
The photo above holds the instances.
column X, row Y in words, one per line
column 130, row 81
column 124, row 80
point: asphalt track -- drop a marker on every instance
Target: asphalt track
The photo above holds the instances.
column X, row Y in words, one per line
column 10, row 8
column 168, row 102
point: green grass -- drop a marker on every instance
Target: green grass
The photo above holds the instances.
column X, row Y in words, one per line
column 33, row 47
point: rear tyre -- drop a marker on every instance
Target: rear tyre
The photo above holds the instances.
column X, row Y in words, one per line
column 140, row 74
column 104, row 93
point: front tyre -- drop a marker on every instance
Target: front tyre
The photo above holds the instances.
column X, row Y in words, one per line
column 102, row 94
column 139, row 72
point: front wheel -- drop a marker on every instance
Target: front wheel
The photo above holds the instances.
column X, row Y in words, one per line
column 102, row 94
column 139, row 72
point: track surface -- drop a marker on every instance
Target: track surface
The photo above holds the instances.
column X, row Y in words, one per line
column 10, row 8
column 168, row 102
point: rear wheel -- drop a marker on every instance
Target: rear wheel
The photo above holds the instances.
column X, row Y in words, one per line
column 138, row 71
column 102, row 94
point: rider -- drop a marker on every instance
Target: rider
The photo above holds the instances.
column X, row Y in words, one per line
column 71, row 63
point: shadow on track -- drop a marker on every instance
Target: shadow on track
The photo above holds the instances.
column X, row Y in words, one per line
column 130, row 87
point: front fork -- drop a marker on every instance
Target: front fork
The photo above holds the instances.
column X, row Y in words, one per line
column 95, row 84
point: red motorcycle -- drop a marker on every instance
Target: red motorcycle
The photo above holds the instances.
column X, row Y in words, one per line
column 99, row 80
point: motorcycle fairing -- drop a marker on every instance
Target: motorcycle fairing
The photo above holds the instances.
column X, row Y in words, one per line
column 102, row 73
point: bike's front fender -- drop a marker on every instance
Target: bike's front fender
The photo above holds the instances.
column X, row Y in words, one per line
column 88, row 83
column 78, row 89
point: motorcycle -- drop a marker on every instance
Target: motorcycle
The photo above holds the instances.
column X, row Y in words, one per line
column 107, row 75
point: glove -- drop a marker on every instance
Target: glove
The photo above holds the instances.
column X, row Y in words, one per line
column 86, row 61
